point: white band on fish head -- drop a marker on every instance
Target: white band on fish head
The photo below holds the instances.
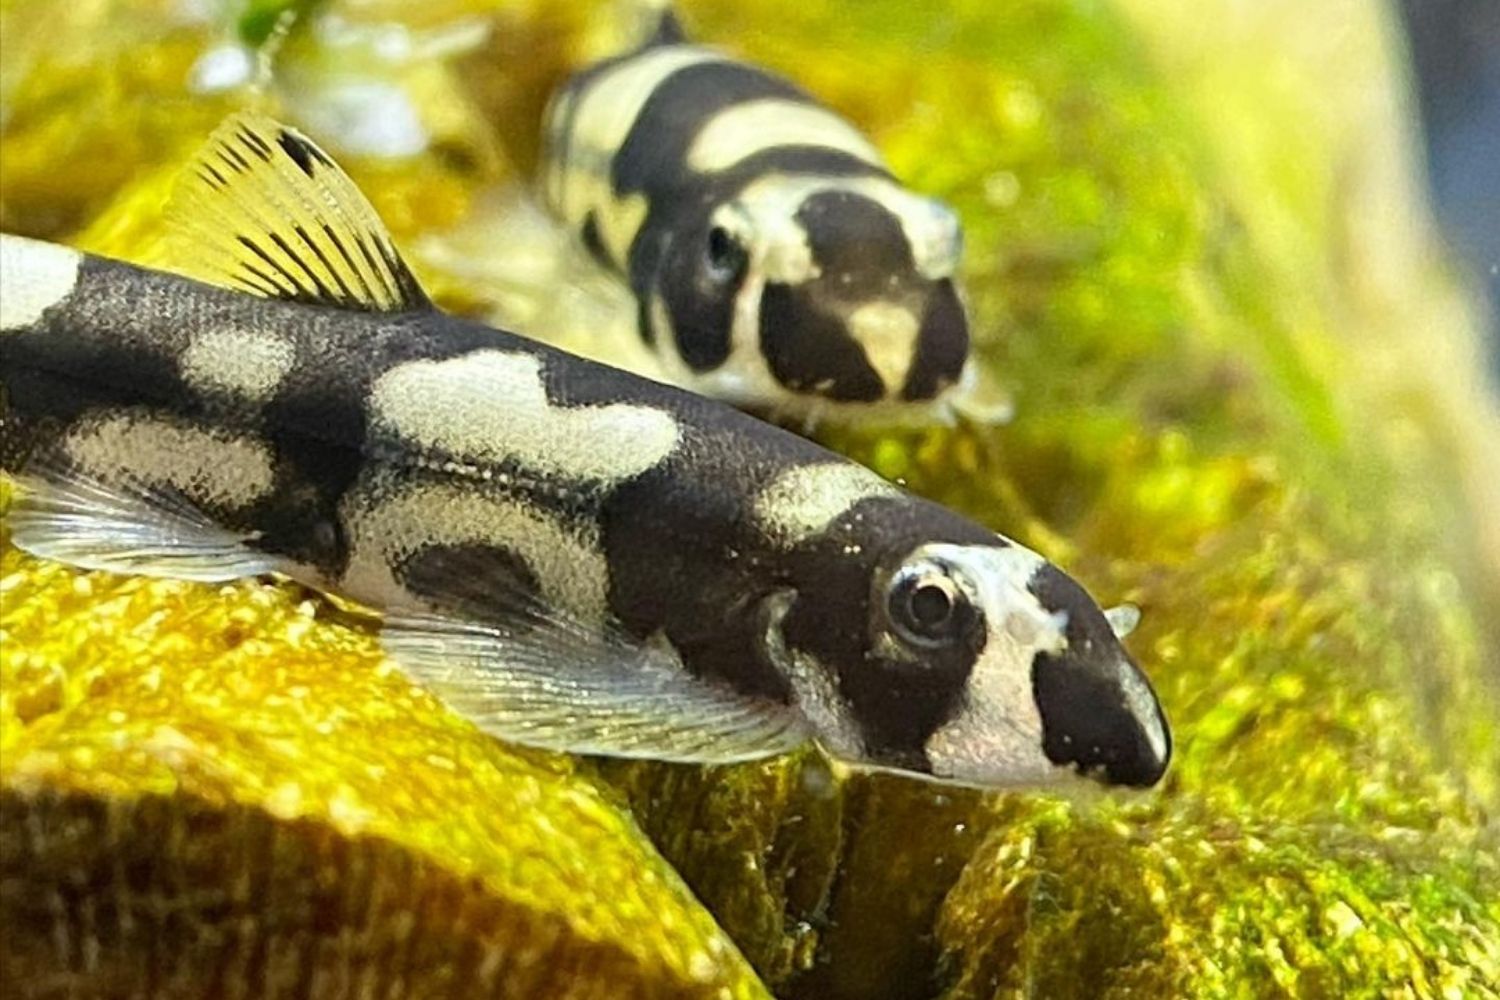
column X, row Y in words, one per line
column 768, row 228
column 935, row 235
column 996, row 738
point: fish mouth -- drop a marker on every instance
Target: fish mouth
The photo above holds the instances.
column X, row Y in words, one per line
column 1102, row 718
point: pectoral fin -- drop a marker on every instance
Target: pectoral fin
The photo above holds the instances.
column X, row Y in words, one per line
column 981, row 399
column 551, row 683
column 1123, row 619
column 128, row 528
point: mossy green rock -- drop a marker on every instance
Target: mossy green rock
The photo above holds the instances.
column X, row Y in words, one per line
column 1241, row 405
column 215, row 792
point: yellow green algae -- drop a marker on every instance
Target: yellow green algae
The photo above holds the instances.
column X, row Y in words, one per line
column 1211, row 289
column 216, row 791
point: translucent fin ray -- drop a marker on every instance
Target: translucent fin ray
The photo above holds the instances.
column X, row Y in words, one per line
column 1123, row 619
column 549, row 682
column 980, row 398
column 129, row 529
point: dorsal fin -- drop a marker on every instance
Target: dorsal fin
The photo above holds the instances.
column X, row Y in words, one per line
column 261, row 209
column 645, row 24
column 668, row 29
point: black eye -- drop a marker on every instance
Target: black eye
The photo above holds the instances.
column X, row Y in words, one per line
column 927, row 608
column 726, row 258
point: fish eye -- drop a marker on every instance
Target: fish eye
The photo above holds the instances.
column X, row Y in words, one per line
column 726, row 258
column 927, row 608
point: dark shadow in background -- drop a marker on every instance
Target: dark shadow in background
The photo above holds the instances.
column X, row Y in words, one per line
column 1456, row 47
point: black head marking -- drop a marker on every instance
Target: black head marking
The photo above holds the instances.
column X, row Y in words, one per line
column 1087, row 717
column 857, row 244
column 862, row 257
column 701, row 275
column 942, row 344
column 810, row 350
column 844, row 581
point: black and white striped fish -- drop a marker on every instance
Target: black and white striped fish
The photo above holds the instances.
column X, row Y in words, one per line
column 775, row 261
column 571, row 556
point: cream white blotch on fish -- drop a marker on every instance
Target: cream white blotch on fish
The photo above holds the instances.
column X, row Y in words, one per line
column 245, row 363
column 33, row 278
column 607, row 442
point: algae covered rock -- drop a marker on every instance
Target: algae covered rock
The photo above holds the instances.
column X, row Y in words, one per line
column 1238, row 365
column 221, row 793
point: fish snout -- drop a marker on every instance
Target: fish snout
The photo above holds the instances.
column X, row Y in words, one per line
column 1101, row 716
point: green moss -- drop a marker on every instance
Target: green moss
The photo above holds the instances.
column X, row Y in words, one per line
column 1178, row 905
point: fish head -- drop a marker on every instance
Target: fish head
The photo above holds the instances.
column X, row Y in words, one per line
column 872, row 313
column 985, row 665
column 842, row 293
column 1051, row 691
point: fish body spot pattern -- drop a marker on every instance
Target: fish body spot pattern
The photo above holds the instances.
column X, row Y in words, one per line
column 570, row 556
column 776, row 261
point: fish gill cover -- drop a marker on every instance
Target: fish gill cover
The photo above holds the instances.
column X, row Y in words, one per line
column 1239, row 370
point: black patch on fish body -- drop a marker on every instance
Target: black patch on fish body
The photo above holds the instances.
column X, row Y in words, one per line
column 654, row 154
column 684, row 555
column 683, row 559
column 1085, row 722
column 709, row 609
column 487, row 583
column 60, row 344
column 302, row 522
